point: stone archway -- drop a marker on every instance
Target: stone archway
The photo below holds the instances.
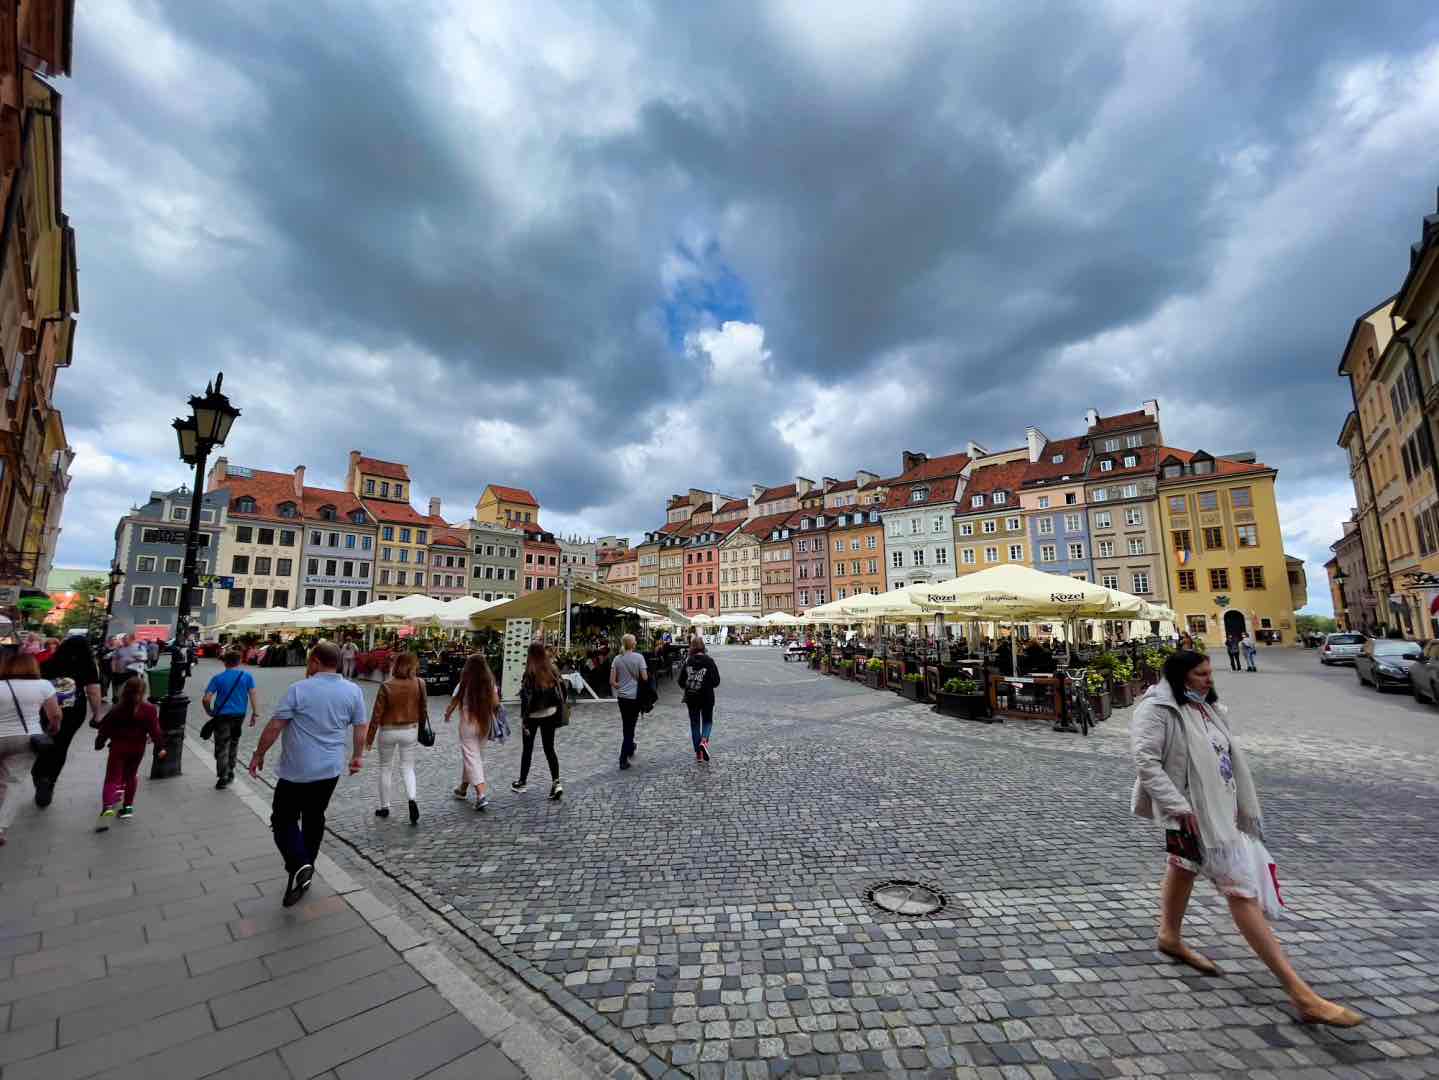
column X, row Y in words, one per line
column 1233, row 624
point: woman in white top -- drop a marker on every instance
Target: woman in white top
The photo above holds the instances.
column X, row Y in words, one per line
column 27, row 708
column 478, row 699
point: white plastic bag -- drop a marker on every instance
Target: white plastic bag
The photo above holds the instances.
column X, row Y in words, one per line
column 1265, row 876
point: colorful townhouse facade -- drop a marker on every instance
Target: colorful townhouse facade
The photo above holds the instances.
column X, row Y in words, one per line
column 1230, row 571
column 856, row 542
column 542, row 559
column 623, row 574
column 1051, row 497
column 383, row 487
column 150, row 551
column 449, row 559
column 505, row 505
column 739, row 574
column 810, row 531
column 337, row 562
column 495, row 560
column 1121, row 490
column 918, row 516
column 776, row 553
column 988, row 521
column 261, row 544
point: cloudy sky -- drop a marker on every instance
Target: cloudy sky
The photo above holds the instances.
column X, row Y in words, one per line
column 612, row 250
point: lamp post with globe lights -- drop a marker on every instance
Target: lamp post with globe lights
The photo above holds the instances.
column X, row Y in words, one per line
column 205, row 429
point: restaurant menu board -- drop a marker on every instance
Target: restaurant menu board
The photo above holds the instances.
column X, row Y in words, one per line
column 518, row 634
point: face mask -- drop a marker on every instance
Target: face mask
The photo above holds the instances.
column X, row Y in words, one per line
column 1195, row 696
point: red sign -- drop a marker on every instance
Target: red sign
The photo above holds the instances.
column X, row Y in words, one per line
column 152, row 633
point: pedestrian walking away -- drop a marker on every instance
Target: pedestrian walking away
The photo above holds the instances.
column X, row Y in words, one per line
column 1194, row 779
column 129, row 659
column 348, row 653
column 130, row 723
column 227, row 696
column 542, row 712
column 699, row 677
column 478, row 700
column 626, row 673
column 76, row 678
column 28, row 712
column 317, row 720
column 395, row 727
column 1250, row 650
column 1231, row 646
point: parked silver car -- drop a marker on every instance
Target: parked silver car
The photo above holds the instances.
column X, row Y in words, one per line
column 1340, row 648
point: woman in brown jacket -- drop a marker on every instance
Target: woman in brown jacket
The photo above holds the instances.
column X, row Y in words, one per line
column 395, row 725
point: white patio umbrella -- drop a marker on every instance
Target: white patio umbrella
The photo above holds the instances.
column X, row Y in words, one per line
column 832, row 613
column 1016, row 593
column 375, row 612
column 701, row 620
column 781, row 618
column 895, row 604
column 738, row 619
column 457, row 612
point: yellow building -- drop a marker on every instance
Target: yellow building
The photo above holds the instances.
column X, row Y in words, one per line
column 507, row 505
column 989, row 528
column 404, row 540
column 1226, row 563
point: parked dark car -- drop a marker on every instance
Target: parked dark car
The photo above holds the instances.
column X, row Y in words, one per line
column 1424, row 676
column 1341, row 648
column 1385, row 662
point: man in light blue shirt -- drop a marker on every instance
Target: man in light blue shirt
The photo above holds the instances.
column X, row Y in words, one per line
column 320, row 717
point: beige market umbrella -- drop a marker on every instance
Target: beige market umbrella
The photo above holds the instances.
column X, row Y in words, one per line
column 1016, row 593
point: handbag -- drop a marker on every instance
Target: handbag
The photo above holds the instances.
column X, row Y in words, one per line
column 646, row 695
column 38, row 743
column 500, row 726
column 425, row 734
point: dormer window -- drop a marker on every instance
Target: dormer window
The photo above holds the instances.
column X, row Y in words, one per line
column 1130, row 461
column 977, row 500
column 919, row 494
column 1057, row 459
column 327, row 513
column 1203, row 467
column 1173, row 472
column 288, row 510
column 244, row 505
column 1107, row 465
column 358, row 517
column 1000, row 498
column 784, row 534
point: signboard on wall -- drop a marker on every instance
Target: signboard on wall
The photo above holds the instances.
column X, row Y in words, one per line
column 518, row 634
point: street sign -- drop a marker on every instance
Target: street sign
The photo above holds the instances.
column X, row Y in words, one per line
column 217, row 581
column 168, row 536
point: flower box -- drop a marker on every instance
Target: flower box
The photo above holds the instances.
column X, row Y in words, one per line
column 874, row 679
column 1101, row 705
column 913, row 688
column 965, row 706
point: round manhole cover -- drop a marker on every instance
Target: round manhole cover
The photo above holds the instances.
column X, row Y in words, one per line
column 912, row 898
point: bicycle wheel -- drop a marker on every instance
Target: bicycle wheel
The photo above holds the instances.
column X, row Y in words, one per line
column 1085, row 717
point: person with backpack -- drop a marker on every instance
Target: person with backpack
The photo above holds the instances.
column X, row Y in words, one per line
column 542, row 712
column 130, row 723
column 225, row 701
column 698, row 677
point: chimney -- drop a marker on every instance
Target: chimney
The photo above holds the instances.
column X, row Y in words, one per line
column 827, row 483
column 434, row 506
column 1091, row 417
column 299, row 481
column 352, row 479
column 910, row 458
column 217, row 474
column 863, row 478
column 974, row 450
column 1036, row 440
column 715, row 502
column 755, row 491
column 803, row 485
column 1151, row 410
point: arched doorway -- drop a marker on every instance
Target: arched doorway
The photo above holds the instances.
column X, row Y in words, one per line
column 1233, row 624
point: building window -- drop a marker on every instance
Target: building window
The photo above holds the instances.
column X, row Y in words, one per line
column 1130, row 461
column 262, row 565
column 1111, row 444
column 1076, row 551
column 1107, row 465
column 1046, row 526
column 896, row 559
column 244, row 505
column 1254, row 577
column 140, row 596
column 401, row 577
column 173, row 564
column 991, row 554
column 1136, row 545
column 1213, row 539
column 1100, row 495
column 145, row 564
column 237, row 598
column 244, row 534
column 976, row 500
column 1239, row 498
column 169, row 596
column 1016, row 553
column 918, row 558
column 1181, row 540
column 1109, row 581
column 259, row 598
column 240, row 564
column 1106, row 549
column 1048, row 553
column 1132, row 441
column 1197, row 624
column 1129, row 491
column 1177, row 504
column 384, row 577
column 941, row 558
column 1218, row 579
column 1072, row 523
column 1134, row 516
column 1208, row 500
column 990, row 527
column 1186, row 581
column 1141, row 582
column 1102, row 520
column 966, row 528
column 999, row 498
column 1247, row 535
column 967, row 556
column 280, row 598
column 367, row 543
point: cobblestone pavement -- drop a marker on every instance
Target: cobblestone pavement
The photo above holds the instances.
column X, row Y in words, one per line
column 711, row 922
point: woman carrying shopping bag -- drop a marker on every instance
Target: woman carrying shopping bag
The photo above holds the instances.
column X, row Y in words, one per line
column 1194, row 780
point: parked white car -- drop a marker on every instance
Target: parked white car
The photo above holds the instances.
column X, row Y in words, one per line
column 1341, row 648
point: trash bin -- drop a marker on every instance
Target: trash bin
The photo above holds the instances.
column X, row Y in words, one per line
column 159, row 682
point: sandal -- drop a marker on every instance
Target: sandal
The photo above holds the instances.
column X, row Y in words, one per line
column 1331, row 1015
column 1187, row 956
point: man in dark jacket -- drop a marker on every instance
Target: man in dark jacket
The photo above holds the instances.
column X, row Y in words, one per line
column 698, row 677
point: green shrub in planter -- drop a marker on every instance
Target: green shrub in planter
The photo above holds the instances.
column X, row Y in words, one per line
column 874, row 664
column 960, row 686
column 962, row 698
column 912, row 686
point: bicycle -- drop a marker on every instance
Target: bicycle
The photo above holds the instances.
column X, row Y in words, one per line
column 1077, row 709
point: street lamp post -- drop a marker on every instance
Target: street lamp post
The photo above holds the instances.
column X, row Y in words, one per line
column 116, row 576
column 206, row 429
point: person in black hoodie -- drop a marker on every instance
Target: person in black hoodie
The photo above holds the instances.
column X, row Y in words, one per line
column 698, row 677
column 72, row 660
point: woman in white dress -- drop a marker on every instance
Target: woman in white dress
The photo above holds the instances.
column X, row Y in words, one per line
column 1195, row 781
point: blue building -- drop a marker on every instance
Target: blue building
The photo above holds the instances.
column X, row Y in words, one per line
column 1052, row 495
column 150, row 548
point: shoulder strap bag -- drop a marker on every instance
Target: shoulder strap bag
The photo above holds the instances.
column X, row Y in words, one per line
column 40, row 741
column 425, row 733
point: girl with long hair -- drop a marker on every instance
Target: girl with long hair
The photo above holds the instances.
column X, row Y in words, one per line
column 478, row 699
column 542, row 710
column 130, row 723
column 395, row 725
column 1194, row 779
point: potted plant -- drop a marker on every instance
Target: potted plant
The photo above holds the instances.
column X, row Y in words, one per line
column 912, row 687
column 1097, row 687
column 1153, row 664
column 964, row 699
column 846, row 669
column 894, row 675
column 1121, row 677
column 874, row 673
column 814, row 660
column 826, row 665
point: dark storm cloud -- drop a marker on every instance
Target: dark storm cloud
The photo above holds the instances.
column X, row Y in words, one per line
column 465, row 245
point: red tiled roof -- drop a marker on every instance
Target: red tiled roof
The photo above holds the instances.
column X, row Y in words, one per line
column 1074, row 452
column 514, row 495
column 944, row 465
column 448, row 538
column 344, row 502
column 941, row 490
column 606, row 558
column 676, row 501
column 842, row 485
column 988, row 479
column 723, row 528
column 268, row 489
column 784, row 491
column 734, row 504
column 1222, row 466
column 397, row 513
column 1122, row 421
column 1145, row 460
column 760, row 527
column 391, row 470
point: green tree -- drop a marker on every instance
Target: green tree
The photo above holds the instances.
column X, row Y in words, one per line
column 1314, row 624
column 77, row 616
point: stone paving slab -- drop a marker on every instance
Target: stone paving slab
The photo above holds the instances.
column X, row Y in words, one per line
column 712, row 922
column 160, row 950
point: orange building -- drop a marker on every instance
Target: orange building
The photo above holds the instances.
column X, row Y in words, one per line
column 856, row 559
